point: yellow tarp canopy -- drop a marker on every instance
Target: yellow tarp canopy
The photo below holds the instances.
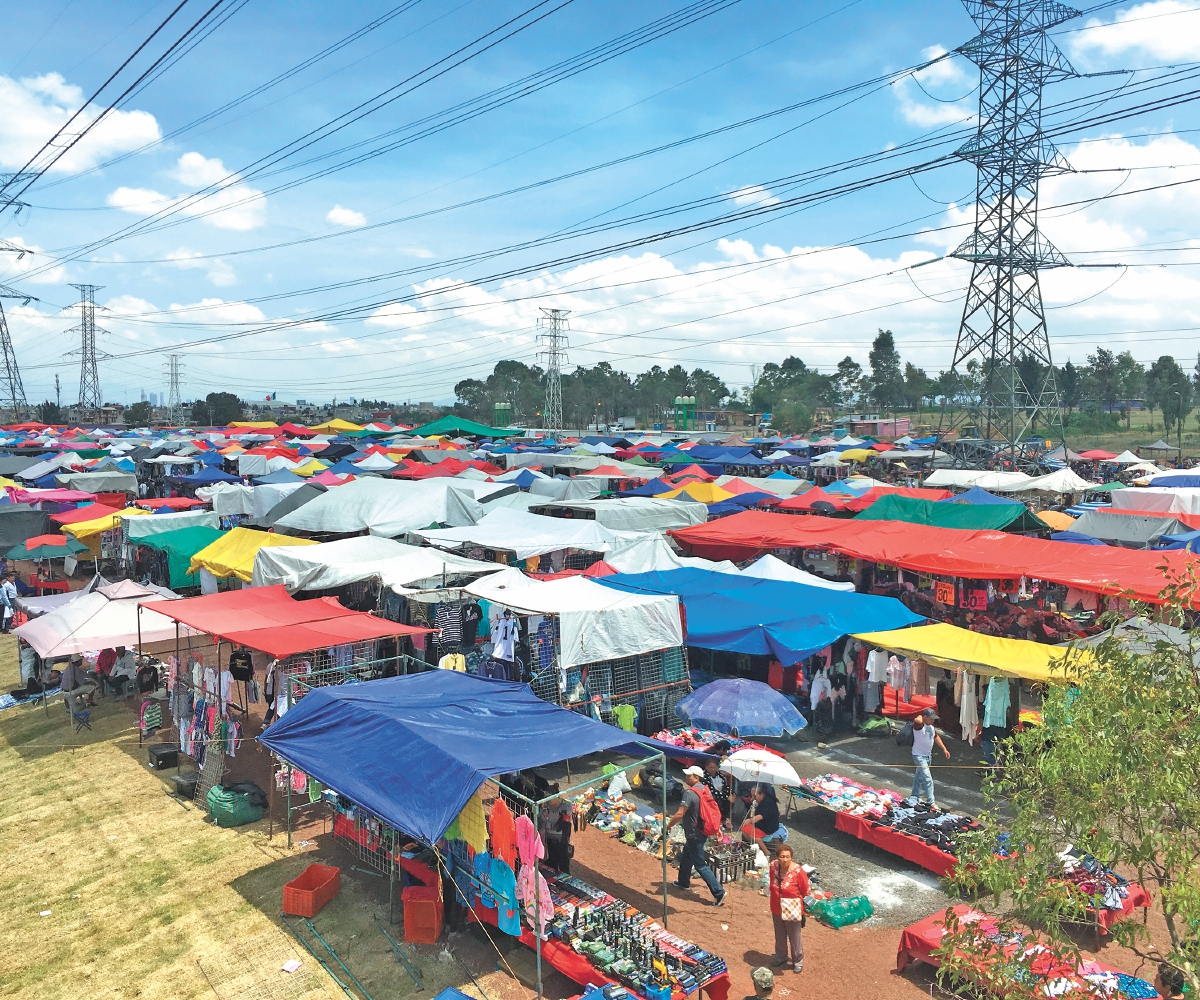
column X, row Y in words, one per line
column 951, row 647
column 701, row 492
column 336, row 424
column 310, row 468
column 5, row 482
column 257, row 424
column 89, row 532
column 1057, row 519
column 856, row 455
column 234, row 554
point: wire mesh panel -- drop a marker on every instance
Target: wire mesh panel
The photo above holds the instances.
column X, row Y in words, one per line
column 657, row 681
column 212, row 772
column 252, row 969
column 367, row 837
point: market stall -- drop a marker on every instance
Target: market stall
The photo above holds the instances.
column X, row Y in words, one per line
column 377, row 748
column 920, row 942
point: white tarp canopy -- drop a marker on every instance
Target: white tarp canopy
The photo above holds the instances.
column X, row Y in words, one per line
column 1126, row 457
column 829, row 460
column 156, row 524
column 586, row 488
column 1168, row 500
column 780, row 487
column 1060, row 482
column 65, row 460
column 105, row 618
column 391, row 507
column 99, row 482
column 517, row 500
column 523, row 533
column 641, row 513
column 264, row 465
column 228, row 498
column 375, row 462
column 349, row 560
column 595, row 622
column 637, row 552
column 769, row 567
column 966, row 478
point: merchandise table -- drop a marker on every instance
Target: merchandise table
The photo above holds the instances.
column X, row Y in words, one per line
column 702, row 739
column 578, row 967
column 894, row 841
column 919, row 941
column 894, row 707
column 1138, row 899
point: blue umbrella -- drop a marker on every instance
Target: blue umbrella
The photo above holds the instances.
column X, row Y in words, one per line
column 750, row 707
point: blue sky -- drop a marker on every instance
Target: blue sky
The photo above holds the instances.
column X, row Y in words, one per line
column 816, row 283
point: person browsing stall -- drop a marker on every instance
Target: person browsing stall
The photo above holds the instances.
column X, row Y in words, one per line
column 764, row 983
column 124, row 669
column 718, row 784
column 77, row 687
column 789, row 886
column 692, row 856
column 925, row 738
column 766, row 813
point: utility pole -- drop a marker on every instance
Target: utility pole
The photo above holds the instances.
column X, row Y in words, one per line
column 57, row 393
column 90, row 399
column 12, row 392
column 1005, row 372
column 174, row 397
column 554, row 350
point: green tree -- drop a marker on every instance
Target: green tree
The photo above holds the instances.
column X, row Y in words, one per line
column 1169, row 388
column 886, row 379
column 138, row 415
column 1070, row 386
column 1131, row 382
column 846, row 384
column 201, row 416
column 1112, row 771
column 707, row 388
column 1105, row 378
column 223, row 408
column 49, row 412
column 917, row 386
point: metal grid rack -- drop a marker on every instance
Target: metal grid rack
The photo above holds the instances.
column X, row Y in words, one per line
column 250, row 969
column 659, row 680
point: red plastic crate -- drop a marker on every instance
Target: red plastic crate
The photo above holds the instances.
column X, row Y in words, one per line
column 304, row 896
column 422, row 914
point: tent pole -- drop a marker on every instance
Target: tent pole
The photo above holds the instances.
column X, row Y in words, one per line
column 663, row 847
column 289, row 807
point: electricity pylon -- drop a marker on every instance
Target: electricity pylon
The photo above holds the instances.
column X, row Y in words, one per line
column 174, row 396
column 90, row 399
column 1002, row 359
column 12, row 391
column 554, row 350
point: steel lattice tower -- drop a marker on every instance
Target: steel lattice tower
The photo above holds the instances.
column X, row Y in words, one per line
column 12, row 391
column 89, row 377
column 554, row 350
column 1002, row 360
column 175, row 397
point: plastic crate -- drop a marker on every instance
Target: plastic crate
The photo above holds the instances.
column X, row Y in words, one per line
column 304, row 896
column 422, row 914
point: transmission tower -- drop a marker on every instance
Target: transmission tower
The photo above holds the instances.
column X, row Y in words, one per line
column 174, row 397
column 12, row 392
column 554, row 350
column 1002, row 360
column 57, row 393
column 89, row 378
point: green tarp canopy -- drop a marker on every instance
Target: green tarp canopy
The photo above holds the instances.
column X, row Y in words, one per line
column 972, row 517
column 180, row 546
column 1106, row 488
column 451, row 424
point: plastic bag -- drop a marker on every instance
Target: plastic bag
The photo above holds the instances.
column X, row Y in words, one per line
column 618, row 786
column 842, row 910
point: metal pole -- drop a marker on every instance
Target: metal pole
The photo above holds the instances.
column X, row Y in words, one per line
column 663, row 757
column 289, row 806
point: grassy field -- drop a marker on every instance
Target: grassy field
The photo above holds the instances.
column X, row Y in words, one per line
column 146, row 899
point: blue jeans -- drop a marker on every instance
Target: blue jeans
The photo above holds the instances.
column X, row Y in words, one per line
column 691, row 857
column 923, row 780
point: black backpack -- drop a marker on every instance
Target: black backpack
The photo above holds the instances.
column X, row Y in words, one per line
column 904, row 738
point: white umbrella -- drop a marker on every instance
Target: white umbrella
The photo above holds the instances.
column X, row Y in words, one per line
column 761, row 766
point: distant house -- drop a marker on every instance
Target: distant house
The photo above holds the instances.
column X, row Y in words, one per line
column 880, row 427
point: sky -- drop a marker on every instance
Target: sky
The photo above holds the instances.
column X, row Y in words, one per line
column 394, row 215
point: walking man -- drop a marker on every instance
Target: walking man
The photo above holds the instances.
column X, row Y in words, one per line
column 925, row 737
column 693, row 847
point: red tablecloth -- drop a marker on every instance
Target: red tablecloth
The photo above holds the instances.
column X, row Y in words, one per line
column 919, row 941
column 579, row 968
column 1138, row 899
column 894, row 707
column 896, row 842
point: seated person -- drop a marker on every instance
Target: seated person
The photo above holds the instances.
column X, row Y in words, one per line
column 79, row 690
column 104, row 664
column 123, row 672
column 766, row 814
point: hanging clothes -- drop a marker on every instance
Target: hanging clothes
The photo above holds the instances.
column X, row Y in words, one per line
column 529, row 844
column 995, row 703
column 504, row 638
column 877, row 663
column 473, row 823
column 483, row 872
column 969, row 709
column 541, row 911
column 504, row 833
column 504, row 888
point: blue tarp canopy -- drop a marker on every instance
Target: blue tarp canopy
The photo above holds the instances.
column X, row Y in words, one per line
column 524, row 479
column 651, row 488
column 741, row 614
column 278, row 476
column 413, row 750
column 977, row 495
column 1176, row 480
column 1077, row 537
column 209, row 474
column 1189, row 540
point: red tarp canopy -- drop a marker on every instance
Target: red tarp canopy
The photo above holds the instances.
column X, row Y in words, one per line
column 88, row 513
column 691, row 470
column 1096, row 455
column 974, row 555
column 171, row 503
column 270, row 621
column 915, row 492
column 804, row 502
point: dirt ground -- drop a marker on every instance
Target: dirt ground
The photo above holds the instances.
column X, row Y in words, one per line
column 147, row 899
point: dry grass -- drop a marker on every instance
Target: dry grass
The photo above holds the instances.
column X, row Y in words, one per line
column 145, row 897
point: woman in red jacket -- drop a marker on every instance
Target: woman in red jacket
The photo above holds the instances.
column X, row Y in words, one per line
column 789, row 886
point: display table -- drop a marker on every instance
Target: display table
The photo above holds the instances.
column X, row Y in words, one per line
column 919, row 941
column 579, row 968
column 897, row 842
column 1137, row 899
column 896, row 708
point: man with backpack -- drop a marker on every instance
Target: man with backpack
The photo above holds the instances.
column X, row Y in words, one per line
column 701, row 819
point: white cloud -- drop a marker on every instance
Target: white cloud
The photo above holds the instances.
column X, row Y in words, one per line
column 218, row 272
column 1166, row 30
column 36, row 107
column 397, row 315
column 15, row 266
column 935, row 95
column 753, row 194
column 338, row 216
column 233, row 205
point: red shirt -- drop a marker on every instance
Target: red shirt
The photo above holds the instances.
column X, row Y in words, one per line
column 105, row 661
column 793, row 885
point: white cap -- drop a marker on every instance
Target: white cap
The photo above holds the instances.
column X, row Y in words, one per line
column 695, row 771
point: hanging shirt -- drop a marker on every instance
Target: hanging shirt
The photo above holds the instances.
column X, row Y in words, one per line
column 453, row 661
column 529, row 844
column 473, row 823
column 541, row 911
column 483, row 872
column 449, row 619
column 504, row 639
column 995, row 704
column 626, row 717
column 821, row 687
column 504, row 833
column 877, row 663
column 504, row 888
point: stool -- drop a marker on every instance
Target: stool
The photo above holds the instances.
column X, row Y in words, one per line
column 83, row 720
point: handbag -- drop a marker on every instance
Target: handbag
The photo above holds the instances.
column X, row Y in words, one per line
column 791, row 909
